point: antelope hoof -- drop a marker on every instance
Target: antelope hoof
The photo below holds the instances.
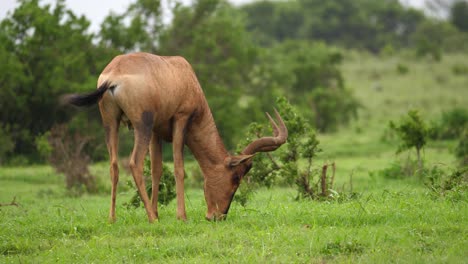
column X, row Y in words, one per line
column 182, row 217
column 111, row 219
column 152, row 218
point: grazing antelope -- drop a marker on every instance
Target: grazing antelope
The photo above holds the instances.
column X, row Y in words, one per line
column 161, row 98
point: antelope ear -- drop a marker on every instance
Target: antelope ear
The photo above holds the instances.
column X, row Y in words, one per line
column 233, row 161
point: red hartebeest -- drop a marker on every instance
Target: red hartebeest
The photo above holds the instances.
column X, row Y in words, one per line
column 161, row 98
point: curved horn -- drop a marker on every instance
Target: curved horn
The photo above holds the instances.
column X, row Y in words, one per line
column 266, row 144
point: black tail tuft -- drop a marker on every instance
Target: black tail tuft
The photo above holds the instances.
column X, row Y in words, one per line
column 86, row 99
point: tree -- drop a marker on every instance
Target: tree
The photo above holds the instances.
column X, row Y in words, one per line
column 459, row 15
column 412, row 132
column 313, row 80
column 142, row 32
column 361, row 24
column 48, row 52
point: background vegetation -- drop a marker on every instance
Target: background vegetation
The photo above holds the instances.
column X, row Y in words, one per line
column 356, row 82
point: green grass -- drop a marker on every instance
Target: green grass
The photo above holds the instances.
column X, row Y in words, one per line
column 389, row 221
column 398, row 223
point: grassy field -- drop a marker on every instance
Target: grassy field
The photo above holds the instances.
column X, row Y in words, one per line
column 389, row 221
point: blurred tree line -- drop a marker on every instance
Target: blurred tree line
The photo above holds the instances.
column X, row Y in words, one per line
column 244, row 57
column 359, row 24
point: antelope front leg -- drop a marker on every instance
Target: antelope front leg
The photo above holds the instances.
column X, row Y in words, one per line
column 156, row 170
column 178, row 136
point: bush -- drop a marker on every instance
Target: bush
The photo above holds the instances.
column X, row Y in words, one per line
column 452, row 183
column 402, row 69
column 311, row 73
column 412, row 133
column 398, row 170
column 66, row 154
column 167, row 191
column 394, row 171
column 321, row 189
column 332, row 107
column 282, row 167
column 461, row 151
column 460, row 69
column 451, row 124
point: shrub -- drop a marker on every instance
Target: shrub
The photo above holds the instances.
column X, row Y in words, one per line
column 412, row 132
column 167, row 191
column 394, row 171
column 398, row 170
column 343, row 247
column 332, row 107
column 283, row 166
column 66, row 154
column 461, row 151
column 460, row 69
column 402, row 69
column 321, row 189
column 451, row 124
column 452, row 183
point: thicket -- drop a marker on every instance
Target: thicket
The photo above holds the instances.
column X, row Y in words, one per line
column 413, row 132
column 65, row 152
column 167, row 191
column 285, row 167
column 447, row 182
column 450, row 125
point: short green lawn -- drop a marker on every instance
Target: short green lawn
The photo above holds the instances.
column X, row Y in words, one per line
column 400, row 223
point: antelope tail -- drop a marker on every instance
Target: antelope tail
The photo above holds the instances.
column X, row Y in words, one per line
column 87, row 99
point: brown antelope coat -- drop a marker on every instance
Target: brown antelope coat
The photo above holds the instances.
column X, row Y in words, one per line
column 161, row 98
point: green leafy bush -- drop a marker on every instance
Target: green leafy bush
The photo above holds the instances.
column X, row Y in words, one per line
column 332, row 107
column 451, row 124
column 167, row 191
column 285, row 165
column 398, row 169
column 412, row 132
column 402, row 69
column 461, row 151
column 343, row 247
column 460, row 69
column 451, row 183
column 314, row 81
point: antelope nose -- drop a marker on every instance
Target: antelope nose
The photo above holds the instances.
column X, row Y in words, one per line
column 209, row 217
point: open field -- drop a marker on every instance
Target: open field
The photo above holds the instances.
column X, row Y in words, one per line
column 395, row 223
column 389, row 221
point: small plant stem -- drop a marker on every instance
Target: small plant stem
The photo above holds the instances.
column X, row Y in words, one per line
column 277, row 166
column 309, row 165
column 12, row 203
column 323, row 180
column 332, row 181
column 418, row 153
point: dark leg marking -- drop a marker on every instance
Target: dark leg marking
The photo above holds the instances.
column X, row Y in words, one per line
column 146, row 125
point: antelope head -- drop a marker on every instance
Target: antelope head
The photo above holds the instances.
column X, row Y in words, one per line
column 219, row 191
